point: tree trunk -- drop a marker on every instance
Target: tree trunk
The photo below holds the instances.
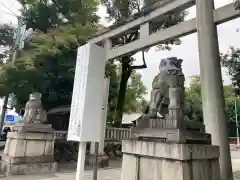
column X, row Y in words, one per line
column 126, row 73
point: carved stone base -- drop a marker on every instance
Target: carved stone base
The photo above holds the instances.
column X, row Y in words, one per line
column 25, row 169
column 21, row 127
column 158, row 123
column 28, row 153
column 103, row 161
column 144, row 160
column 171, row 135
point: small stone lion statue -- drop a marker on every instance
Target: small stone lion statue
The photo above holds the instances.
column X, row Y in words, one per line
column 34, row 112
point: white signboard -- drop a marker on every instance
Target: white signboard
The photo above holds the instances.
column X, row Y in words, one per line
column 87, row 99
column 104, row 115
column 103, row 119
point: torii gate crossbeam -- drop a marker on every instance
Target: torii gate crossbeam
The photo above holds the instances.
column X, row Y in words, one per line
column 211, row 79
column 221, row 15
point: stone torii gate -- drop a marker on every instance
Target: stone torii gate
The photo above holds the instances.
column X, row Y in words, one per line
column 211, row 78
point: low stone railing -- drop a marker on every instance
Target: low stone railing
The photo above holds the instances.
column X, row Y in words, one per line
column 60, row 135
column 111, row 134
column 117, row 134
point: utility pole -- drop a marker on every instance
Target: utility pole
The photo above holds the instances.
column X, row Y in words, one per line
column 19, row 39
column 19, row 44
column 236, row 119
column 95, row 164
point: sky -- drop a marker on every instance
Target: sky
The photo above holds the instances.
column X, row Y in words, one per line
column 188, row 50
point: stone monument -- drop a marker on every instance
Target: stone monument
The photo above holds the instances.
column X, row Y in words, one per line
column 167, row 147
column 29, row 147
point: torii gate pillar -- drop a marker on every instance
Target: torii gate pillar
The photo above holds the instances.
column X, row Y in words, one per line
column 211, row 84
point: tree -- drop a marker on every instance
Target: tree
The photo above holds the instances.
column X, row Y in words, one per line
column 6, row 40
column 194, row 100
column 6, row 34
column 46, row 64
column 230, row 98
column 50, row 14
column 135, row 101
column 237, row 4
column 231, row 61
column 119, row 10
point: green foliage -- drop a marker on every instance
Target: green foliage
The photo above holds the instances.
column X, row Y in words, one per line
column 6, row 34
column 194, row 100
column 120, row 10
column 231, row 61
column 230, row 99
column 237, row 4
column 112, row 72
column 46, row 65
column 47, row 62
column 50, row 14
column 6, row 40
column 135, row 94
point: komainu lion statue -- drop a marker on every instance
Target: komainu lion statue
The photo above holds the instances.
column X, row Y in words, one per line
column 159, row 100
column 34, row 112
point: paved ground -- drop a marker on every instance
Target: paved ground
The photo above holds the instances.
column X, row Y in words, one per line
column 235, row 160
column 66, row 172
column 109, row 174
column 113, row 173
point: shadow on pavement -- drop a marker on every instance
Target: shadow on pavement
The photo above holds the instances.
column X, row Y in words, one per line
column 71, row 167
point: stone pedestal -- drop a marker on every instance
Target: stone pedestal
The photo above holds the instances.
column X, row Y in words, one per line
column 29, row 152
column 34, row 127
column 171, row 135
column 168, row 161
column 103, row 160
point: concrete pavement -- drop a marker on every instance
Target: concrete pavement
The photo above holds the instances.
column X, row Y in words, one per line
column 107, row 174
column 67, row 172
column 235, row 156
